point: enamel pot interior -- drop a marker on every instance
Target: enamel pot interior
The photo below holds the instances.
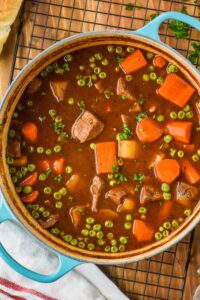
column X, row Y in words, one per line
column 8, row 106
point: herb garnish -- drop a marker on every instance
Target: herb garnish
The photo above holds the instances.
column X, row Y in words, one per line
column 82, row 105
column 194, row 56
column 140, row 116
column 58, row 178
column 48, row 172
column 138, row 177
column 126, row 134
column 179, row 28
column 119, row 59
column 57, row 127
column 152, row 17
column 108, row 93
column 118, row 175
column 130, row 6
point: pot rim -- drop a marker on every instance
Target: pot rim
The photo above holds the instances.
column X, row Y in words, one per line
column 72, row 252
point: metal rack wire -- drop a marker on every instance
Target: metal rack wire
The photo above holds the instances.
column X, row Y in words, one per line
column 42, row 23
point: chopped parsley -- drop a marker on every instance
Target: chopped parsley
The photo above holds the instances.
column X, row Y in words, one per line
column 82, row 105
column 66, row 67
column 194, row 55
column 118, row 175
column 90, row 82
column 138, row 177
column 108, row 93
column 130, row 6
column 48, row 172
column 57, row 127
column 140, row 116
column 152, row 17
column 58, row 178
column 179, row 28
column 141, row 100
column 119, row 59
column 126, row 134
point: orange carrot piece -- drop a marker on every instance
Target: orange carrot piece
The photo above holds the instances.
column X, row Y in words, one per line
column 105, row 156
column 165, row 210
column 133, row 62
column 190, row 148
column 58, row 165
column 30, row 132
column 148, row 130
column 44, row 165
column 142, row 231
column 167, row 170
column 30, row 180
column 30, row 198
column 190, row 172
column 181, row 131
column 176, row 90
column 159, row 61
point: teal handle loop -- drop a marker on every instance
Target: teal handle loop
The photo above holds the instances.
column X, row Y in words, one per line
column 65, row 263
column 152, row 28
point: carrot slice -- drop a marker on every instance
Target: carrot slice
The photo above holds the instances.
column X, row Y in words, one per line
column 142, row 231
column 148, row 130
column 133, row 62
column 30, row 180
column 44, row 165
column 58, row 165
column 190, row 172
column 167, row 170
column 165, row 210
column 181, row 131
column 159, row 61
column 30, row 132
column 30, row 198
column 176, row 90
column 106, row 157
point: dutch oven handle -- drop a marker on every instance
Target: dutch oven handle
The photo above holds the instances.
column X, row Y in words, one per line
column 65, row 263
column 151, row 30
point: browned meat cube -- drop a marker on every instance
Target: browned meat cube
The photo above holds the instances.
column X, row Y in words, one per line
column 150, row 193
column 96, row 188
column 51, row 221
column 116, row 194
column 123, row 91
column 185, row 193
column 155, row 159
column 13, row 149
column 86, row 127
column 59, row 89
column 34, row 85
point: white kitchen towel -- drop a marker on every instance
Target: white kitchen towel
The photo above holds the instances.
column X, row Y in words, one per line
column 197, row 294
column 86, row 282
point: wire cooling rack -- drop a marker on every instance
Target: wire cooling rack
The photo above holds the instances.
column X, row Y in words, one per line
column 42, row 23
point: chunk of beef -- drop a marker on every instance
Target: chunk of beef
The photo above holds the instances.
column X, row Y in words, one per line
column 123, row 91
column 51, row 221
column 14, row 149
column 34, row 85
column 59, row 89
column 116, row 194
column 149, row 193
column 96, row 188
column 155, row 159
column 185, row 193
column 86, row 127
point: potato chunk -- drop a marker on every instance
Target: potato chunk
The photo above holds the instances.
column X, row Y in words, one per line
column 129, row 149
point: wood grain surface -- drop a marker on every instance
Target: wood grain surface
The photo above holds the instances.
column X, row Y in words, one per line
column 40, row 31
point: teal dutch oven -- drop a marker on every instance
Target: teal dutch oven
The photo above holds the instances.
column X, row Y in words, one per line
column 11, row 207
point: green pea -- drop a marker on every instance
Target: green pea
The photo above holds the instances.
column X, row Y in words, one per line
column 97, row 70
column 167, row 196
column 173, row 115
column 110, row 235
column 31, row 149
column 110, row 176
column 14, row 179
column 113, row 182
column 81, row 245
column 24, row 170
column 153, row 76
column 90, row 246
column 159, row 80
column 98, row 56
column 68, row 169
column 172, row 152
column 27, row 189
column 70, row 101
column 123, row 240
column 19, row 174
column 18, row 189
column 12, row 170
column 167, row 225
column 57, row 148
column 108, row 223
column 68, row 57
column 46, row 214
column 127, row 225
column 118, row 50
column 121, row 248
column 113, row 242
column 88, row 226
column 129, row 77
column 97, row 227
column 74, row 242
column 145, row 77
column 52, row 112
column 58, row 119
column 186, row 108
column 49, row 69
column 175, row 223
column 99, row 234
column 40, row 150
column 114, row 249
column 161, row 229
column 48, row 151
column 158, row 236
column 107, row 248
column 180, row 153
column 165, row 233
column 160, row 118
column 168, row 138
column 70, row 198
column 63, row 191
column 172, row 68
column 187, row 212
column 130, row 49
column 110, row 48
column 29, row 206
column 151, row 68
column 11, row 133
column 20, row 106
column 92, row 233
column 15, row 115
column 102, row 75
column 29, row 103
column 42, row 177
column 36, row 207
column 81, row 67
column 81, row 82
column 198, row 152
column 181, row 114
column 93, row 146
column 57, row 195
column 41, row 209
column 117, row 69
column 149, row 55
column 180, row 220
column 10, row 160
column 195, row 157
column 165, row 187
column 120, row 162
column 142, row 210
column 129, row 217
column 101, row 242
column 92, row 59
column 92, row 65
column 67, row 238
column 59, row 204
column 35, row 214
column 59, row 71
column 90, row 220
column 104, row 62
column 47, row 190
column 84, row 232
column 143, row 216
column 189, row 115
